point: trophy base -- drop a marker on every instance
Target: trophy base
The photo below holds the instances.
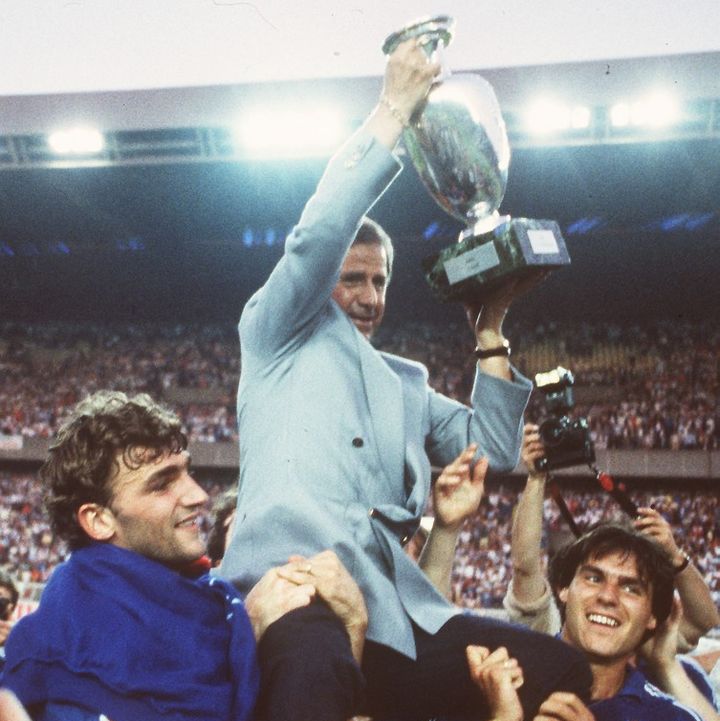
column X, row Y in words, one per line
column 476, row 265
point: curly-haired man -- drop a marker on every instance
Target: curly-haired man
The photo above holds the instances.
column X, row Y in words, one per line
column 125, row 627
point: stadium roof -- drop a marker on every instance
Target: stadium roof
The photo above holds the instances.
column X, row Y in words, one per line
column 165, row 81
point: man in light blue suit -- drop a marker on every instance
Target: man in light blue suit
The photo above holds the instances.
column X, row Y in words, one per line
column 337, row 442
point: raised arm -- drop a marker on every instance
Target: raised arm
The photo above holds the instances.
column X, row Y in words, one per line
column 660, row 652
column 301, row 284
column 487, row 319
column 699, row 611
column 529, row 581
column 456, row 496
column 529, row 599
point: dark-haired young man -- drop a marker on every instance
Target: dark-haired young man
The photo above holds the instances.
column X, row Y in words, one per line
column 615, row 589
column 125, row 628
column 529, row 599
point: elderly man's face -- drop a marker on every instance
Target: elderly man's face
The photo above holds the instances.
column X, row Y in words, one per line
column 360, row 291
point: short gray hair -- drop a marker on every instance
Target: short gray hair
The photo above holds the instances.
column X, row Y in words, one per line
column 372, row 233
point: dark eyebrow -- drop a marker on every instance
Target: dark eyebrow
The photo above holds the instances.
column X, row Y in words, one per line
column 637, row 580
column 168, row 472
column 589, row 568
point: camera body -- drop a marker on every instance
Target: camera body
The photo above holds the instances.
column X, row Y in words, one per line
column 567, row 442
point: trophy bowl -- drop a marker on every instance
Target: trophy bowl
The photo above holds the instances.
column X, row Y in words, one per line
column 457, row 141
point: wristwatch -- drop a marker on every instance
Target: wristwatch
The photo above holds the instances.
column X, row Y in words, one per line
column 500, row 350
column 685, row 563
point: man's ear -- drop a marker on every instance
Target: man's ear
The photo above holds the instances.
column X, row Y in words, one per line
column 97, row 521
column 562, row 594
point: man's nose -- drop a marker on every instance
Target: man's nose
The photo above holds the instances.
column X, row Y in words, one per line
column 368, row 295
column 608, row 593
column 192, row 493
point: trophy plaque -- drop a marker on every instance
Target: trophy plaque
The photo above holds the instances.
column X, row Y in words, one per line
column 458, row 144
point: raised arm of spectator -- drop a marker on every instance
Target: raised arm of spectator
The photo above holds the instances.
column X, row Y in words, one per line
column 529, row 580
column 699, row 611
column 660, row 653
column 456, row 496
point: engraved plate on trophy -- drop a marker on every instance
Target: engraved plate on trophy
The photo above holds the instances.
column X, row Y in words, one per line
column 458, row 144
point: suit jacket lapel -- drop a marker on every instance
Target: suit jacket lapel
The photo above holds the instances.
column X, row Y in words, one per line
column 387, row 414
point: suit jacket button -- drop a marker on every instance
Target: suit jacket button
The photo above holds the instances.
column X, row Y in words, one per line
column 358, row 442
column 372, row 513
column 405, row 539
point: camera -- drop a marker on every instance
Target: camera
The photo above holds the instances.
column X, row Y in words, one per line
column 567, row 441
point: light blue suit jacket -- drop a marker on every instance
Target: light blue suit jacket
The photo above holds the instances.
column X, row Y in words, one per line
column 336, row 439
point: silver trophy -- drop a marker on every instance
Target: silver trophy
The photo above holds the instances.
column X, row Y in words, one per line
column 458, row 143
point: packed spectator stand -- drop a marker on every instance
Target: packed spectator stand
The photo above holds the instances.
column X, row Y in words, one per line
column 652, row 386
column 649, row 387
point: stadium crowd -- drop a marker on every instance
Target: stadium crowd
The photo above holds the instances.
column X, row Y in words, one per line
column 482, row 566
column 29, row 551
column 648, row 387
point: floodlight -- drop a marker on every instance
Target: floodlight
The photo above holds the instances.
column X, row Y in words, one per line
column 546, row 116
column 620, row 115
column 657, row 110
column 280, row 132
column 76, row 141
column 580, row 117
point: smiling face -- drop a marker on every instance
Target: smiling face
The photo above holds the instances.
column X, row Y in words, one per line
column 608, row 608
column 360, row 291
column 154, row 510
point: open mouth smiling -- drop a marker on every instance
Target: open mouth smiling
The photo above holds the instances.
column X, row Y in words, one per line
column 603, row 620
column 190, row 522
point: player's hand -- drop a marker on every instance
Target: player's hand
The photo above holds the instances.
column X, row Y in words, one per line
column 563, row 706
column 273, row 596
column 498, row 676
